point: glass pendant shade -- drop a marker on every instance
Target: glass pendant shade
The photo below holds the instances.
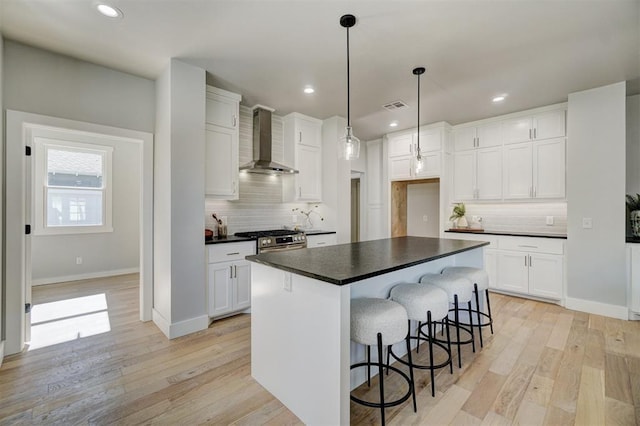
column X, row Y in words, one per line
column 419, row 163
column 349, row 145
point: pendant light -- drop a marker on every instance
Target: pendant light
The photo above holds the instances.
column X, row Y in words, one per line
column 419, row 162
column 349, row 148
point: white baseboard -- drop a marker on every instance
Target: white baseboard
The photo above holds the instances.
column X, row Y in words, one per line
column 87, row 276
column 1, row 352
column 181, row 328
column 589, row 306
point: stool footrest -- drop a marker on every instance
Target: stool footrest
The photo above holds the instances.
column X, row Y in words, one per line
column 386, row 403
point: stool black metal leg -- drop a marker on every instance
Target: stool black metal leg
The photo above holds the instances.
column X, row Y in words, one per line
column 413, row 383
column 368, row 365
column 489, row 310
column 388, row 358
column 475, row 290
column 473, row 337
column 457, row 320
column 418, row 333
column 432, row 370
column 449, row 344
column 381, row 378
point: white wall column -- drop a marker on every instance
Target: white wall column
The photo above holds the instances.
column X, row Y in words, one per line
column 596, row 256
column 2, row 283
column 179, row 263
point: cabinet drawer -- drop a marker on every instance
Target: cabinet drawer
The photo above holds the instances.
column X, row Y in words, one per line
column 224, row 252
column 532, row 245
column 321, row 240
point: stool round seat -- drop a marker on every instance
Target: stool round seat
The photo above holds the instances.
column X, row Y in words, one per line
column 417, row 299
column 452, row 285
column 475, row 275
column 370, row 316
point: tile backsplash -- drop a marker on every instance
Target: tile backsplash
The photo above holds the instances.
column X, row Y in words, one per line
column 520, row 217
column 260, row 203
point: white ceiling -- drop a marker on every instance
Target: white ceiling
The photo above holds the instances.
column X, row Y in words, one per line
column 537, row 51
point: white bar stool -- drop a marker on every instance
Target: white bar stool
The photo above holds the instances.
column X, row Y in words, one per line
column 428, row 305
column 381, row 322
column 459, row 290
column 480, row 280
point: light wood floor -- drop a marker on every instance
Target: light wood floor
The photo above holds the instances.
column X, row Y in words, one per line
column 543, row 365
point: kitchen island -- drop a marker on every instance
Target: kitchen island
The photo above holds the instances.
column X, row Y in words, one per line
column 300, row 326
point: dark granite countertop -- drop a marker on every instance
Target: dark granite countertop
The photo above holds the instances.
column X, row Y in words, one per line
column 347, row 263
column 229, row 239
column 318, row 232
column 509, row 233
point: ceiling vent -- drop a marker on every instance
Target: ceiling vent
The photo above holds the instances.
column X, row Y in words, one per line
column 395, row 105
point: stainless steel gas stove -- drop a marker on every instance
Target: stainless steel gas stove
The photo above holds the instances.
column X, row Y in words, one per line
column 276, row 239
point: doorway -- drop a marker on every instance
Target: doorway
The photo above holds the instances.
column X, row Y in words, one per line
column 355, row 210
column 22, row 131
column 415, row 208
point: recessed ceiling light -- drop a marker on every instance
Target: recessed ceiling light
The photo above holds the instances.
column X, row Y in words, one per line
column 309, row 90
column 109, row 11
column 499, row 98
column 393, row 124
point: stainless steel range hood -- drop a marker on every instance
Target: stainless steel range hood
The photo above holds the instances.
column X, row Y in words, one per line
column 262, row 146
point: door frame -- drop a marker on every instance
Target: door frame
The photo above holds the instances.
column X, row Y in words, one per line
column 19, row 126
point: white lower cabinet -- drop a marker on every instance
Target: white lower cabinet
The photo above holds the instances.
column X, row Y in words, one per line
column 321, row 240
column 634, row 277
column 531, row 266
column 229, row 278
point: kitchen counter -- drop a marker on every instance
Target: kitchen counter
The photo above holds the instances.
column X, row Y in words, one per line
column 318, row 232
column 508, row 233
column 229, row 239
column 301, row 303
column 633, row 240
column 347, row 263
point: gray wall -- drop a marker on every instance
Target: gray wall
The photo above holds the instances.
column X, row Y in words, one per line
column 596, row 258
column 423, row 199
column 2, row 118
column 633, row 144
column 43, row 82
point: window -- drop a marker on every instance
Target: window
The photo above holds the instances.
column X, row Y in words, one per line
column 72, row 187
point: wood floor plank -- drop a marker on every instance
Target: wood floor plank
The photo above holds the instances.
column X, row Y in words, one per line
column 508, row 400
column 530, row 414
column 617, row 384
column 558, row 338
column 483, row 396
column 539, row 390
column 557, row 416
column 590, row 407
column 618, row 413
column 494, row 419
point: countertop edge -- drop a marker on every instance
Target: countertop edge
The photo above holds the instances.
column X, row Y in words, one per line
column 229, row 239
column 340, row 282
column 510, row 234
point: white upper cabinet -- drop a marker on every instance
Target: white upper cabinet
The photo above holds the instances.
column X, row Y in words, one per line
column 478, row 174
column 544, row 125
column 482, row 136
column 221, row 144
column 535, row 169
column 303, row 136
column 430, row 140
column 400, row 145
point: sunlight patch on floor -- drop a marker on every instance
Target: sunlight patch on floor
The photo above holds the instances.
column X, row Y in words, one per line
column 70, row 319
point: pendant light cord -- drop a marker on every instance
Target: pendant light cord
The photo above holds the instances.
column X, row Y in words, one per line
column 418, row 115
column 348, row 84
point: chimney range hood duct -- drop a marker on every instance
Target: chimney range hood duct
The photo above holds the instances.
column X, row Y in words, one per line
column 262, row 146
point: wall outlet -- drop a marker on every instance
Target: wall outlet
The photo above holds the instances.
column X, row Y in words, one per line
column 549, row 220
column 78, row 260
column 587, row 223
column 425, row 218
column 287, row 285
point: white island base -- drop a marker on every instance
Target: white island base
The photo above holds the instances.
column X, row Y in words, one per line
column 300, row 335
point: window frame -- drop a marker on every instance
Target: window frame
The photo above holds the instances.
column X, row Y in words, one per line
column 40, row 187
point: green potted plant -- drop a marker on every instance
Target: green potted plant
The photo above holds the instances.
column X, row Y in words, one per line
column 633, row 205
column 457, row 216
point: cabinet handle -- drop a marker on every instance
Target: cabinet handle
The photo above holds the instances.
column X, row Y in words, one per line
column 524, row 245
column 525, row 260
column 530, row 264
column 299, row 136
column 535, row 133
column 530, row 134
column 231, row 271
column 235, row 253
column 299, row 192
column 410, row 148
column 321, row 243
column 477, row 142
column 534, row 192
column 235, row 121
column 234, row 187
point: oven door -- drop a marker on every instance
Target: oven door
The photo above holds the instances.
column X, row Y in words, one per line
column 282, row 248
